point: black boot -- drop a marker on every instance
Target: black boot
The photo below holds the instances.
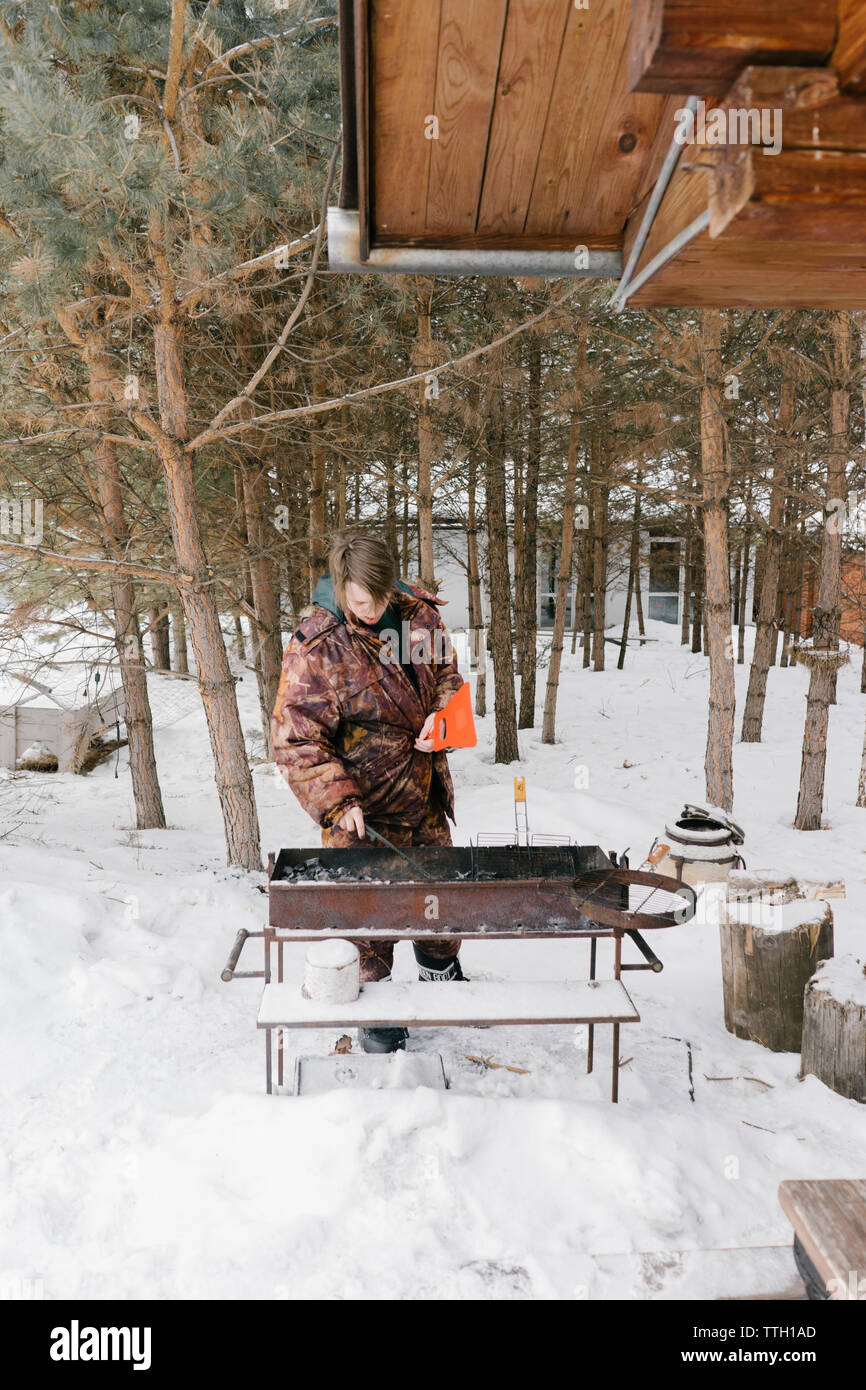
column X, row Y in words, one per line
column 382, row 1039
column 435, row 968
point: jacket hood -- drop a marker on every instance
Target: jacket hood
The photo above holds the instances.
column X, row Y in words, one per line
column 324, row 595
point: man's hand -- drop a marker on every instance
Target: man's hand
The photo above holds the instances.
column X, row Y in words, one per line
column 353, row 819
column 424, row 741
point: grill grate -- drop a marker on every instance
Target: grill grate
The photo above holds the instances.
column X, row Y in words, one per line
column 523, row 861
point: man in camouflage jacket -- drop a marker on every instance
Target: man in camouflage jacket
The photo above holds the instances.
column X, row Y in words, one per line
column 344, row 731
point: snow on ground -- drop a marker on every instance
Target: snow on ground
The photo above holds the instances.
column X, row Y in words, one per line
column 141, row 1157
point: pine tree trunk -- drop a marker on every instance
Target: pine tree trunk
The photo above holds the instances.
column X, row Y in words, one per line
column 599, row 553
column 715, row 476
column 391, row 513
column 529, row 595
column 577, row 615
column 404, row 528
column 292, row 470
column 340, row 496
column 267, row 638
column 476, row 615
column 765, row 635
column 566, row 549
column 159, row 637
column 698, row 591
column 318, row 527
column 826, row 617
column 688, row 582
column 632, row 576
column 586, row 598
column 504, row 701
column 423, row 359
column 518, row 558
column 240, row 643
column 232, row 770
column 149, row 811
column 861, row 782
column 638, row 596
column 178, row 637
column 318, row 537
column 743, row 592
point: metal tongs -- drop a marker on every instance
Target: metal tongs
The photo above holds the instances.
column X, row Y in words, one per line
column 374, row 835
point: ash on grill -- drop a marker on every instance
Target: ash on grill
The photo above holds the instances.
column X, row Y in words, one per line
column 314, row 871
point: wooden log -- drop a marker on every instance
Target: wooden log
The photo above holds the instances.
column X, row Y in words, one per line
column 689, row 46
column 849, row 55
column 769, row 952
column 834, row 1027
column 818, row 194
column 764, row 885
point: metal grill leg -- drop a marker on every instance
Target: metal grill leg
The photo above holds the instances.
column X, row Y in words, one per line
column 591, row 1046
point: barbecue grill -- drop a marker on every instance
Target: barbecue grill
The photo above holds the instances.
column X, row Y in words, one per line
column 478, row 891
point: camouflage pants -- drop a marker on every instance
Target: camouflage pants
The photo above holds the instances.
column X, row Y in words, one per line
column 377, row 957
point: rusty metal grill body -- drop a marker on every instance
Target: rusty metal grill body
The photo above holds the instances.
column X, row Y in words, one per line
column 479, row 890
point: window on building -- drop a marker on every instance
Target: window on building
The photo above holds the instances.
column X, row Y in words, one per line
column 663, row 599
column 547, row 571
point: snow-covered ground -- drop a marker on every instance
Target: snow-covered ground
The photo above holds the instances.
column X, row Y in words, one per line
column 141, row 1157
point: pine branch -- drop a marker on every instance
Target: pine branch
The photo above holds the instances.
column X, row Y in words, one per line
column 321, row 407
column 52, row 557
column 253, row 44
column 275, row 351
column 175, row 58
column 263, row 262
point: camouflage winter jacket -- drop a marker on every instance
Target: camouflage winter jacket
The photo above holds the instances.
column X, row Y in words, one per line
column 344, row 725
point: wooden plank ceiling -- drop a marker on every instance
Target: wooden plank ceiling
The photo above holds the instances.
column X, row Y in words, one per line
column 539, row 143
column 554, row 120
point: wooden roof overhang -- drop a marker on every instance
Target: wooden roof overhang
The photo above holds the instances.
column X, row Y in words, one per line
column 547, row 137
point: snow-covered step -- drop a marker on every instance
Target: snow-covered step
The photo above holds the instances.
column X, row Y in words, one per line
column 429, row 1003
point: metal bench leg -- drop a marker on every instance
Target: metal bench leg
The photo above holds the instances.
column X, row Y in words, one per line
column 268, row 1086
column 617, row 967
column 591, row 1045
column 280, row 1036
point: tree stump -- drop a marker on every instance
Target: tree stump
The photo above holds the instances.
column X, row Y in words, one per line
column 834, row 1027
column 769, row 952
